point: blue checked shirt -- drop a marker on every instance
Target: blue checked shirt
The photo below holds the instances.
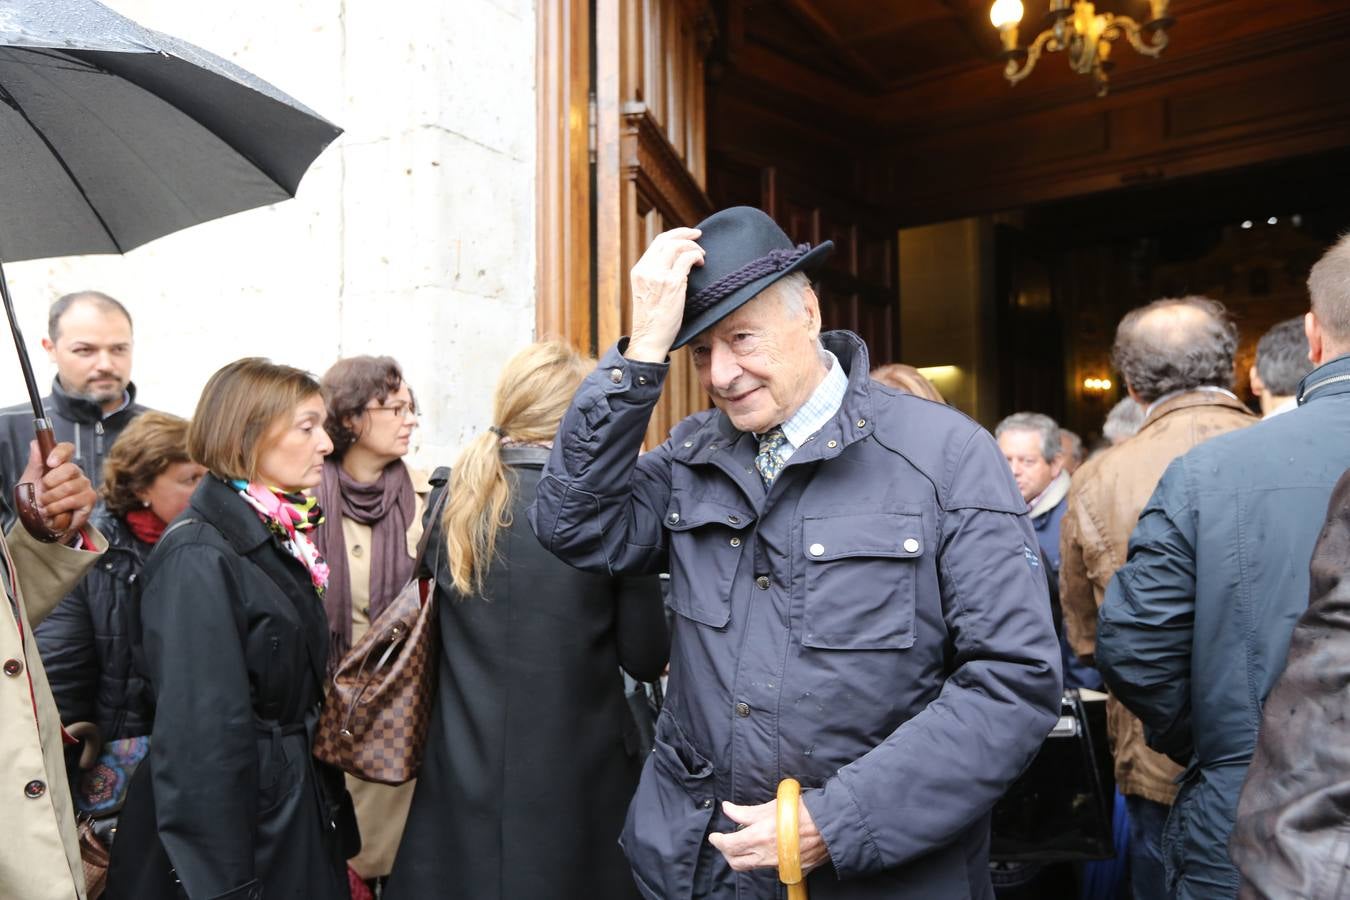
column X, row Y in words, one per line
column 818, row 409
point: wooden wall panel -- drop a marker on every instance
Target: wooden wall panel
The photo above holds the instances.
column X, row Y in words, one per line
column 563, row 307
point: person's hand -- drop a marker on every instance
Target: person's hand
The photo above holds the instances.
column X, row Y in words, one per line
column 659, row 280
column 64, row 489
column 755, row 845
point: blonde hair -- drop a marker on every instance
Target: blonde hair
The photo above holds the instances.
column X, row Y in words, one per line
column 908, row 379
column 239, row 409
column 533, row 392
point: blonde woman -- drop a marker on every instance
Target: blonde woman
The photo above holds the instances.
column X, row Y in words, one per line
column 530, row 762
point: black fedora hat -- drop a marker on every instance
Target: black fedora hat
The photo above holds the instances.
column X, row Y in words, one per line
column 744, row 252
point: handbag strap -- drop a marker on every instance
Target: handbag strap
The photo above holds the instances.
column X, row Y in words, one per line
column 440, row 480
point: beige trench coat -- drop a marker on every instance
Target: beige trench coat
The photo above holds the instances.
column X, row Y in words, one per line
column 381, row 809
column 39, row 854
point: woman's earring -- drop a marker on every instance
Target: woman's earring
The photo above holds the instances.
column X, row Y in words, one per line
column 145, row 503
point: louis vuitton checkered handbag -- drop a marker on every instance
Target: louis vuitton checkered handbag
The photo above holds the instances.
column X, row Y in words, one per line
column 378, row 705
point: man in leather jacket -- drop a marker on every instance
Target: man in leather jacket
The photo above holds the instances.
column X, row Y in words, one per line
column 89, row 341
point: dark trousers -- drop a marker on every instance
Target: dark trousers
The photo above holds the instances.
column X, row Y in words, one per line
column 1146, row 861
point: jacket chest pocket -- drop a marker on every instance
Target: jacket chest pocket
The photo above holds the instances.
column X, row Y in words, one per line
column 706, row 542
column 861, row 573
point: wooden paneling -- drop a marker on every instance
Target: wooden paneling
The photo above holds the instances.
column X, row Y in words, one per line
column 563, row 306
column 651, row 158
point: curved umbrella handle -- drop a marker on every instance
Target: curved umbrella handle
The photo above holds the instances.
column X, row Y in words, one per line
column 789, row 840
column 25, row 494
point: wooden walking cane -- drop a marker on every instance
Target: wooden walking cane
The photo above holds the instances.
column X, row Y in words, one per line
column 789, row 839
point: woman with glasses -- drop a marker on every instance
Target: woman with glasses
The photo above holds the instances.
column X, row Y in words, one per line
column 374, row 519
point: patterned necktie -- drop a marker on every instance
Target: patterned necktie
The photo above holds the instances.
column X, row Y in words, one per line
column 767, row 460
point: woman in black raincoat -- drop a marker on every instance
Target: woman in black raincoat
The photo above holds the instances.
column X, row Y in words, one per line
column 231, row 805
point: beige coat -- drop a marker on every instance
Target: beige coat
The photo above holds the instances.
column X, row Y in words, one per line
column 1107, row 495
column 39, row 851
column 381, row 809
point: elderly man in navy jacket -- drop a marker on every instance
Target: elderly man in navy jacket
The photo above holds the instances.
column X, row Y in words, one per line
column 858, row 596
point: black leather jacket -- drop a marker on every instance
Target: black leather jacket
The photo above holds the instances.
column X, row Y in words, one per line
column 74, row 419
column 86, row 645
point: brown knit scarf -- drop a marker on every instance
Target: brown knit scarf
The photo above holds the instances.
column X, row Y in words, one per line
column 387, row 505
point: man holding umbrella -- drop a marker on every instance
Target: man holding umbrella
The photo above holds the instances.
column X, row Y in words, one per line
column 40, row 854
column 859, row 601
column 89, row 340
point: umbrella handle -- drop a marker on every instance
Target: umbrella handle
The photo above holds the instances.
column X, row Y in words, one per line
column 789, row 840
column 25, row 495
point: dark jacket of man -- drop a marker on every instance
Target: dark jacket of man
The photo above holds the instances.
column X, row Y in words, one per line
column 74, row 420
column 85, row 642
column 1196, row 625
column 1108, row 493
column 876, row 625
column 1290, row 841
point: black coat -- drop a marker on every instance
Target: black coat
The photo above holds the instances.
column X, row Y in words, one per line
column 86, row 645
column 527, row 777
column 74, row 419
column 235, row 645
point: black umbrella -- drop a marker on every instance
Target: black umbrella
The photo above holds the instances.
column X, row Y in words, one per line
column 112, row 135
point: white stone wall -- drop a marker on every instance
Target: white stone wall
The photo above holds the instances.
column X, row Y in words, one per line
column 412, row 235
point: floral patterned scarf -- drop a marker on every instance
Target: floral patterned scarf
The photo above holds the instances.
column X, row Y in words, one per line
column 289, row 516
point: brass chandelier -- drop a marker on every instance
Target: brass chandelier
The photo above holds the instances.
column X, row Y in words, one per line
column 1082, row 31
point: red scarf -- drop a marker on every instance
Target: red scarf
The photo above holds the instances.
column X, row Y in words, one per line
column 147, row 526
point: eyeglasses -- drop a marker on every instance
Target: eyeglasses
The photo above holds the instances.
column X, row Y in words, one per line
column 401, row 411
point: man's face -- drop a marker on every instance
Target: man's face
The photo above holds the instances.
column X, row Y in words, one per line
column 761, row 363
column 92, row 353
column 1022, row 449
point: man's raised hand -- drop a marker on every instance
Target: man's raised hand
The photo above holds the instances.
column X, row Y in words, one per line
column 659, row 280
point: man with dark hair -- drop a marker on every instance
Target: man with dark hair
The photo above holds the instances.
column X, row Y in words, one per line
column 1195, row 627
column 1176, row 359
column 857, row 597
column 1281, row 363
column 92, row 399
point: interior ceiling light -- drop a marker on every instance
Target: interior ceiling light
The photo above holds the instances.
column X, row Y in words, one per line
column 1085, row 33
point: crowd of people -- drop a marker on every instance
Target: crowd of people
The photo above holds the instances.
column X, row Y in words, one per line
column 867, row 593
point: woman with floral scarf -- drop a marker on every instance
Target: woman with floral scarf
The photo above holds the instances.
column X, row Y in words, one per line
column 233, row 639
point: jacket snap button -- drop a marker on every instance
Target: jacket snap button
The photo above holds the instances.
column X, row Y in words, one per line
column 642, row 379
column 13, row 667
column 616, row 375
column 817, row 549
column 734, row 520
column 911, row 546
column 34, row 789
column 673, row 518
column 706, row 804
column 689, row 443
column 762, row 582
column 831, row 444
column 735, row 542
column 862, row 422
column 742, row 709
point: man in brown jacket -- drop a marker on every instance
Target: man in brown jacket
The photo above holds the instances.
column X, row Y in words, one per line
column 39, row 853
column 1176, row 359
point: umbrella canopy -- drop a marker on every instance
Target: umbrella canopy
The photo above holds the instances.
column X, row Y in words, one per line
column 112, row 134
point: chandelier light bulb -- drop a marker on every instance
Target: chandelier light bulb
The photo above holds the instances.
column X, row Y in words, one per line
column 1005, row 13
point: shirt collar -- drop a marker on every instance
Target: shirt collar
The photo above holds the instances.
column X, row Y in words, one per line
column 821, row 406
column 1174, row 394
